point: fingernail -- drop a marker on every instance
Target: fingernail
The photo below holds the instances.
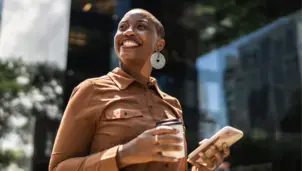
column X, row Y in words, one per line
column 225, row 145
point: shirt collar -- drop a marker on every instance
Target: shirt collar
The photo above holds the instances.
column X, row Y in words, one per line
column 123, row 80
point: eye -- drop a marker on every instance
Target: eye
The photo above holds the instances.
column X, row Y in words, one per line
column 123, row 27
column 141, row 27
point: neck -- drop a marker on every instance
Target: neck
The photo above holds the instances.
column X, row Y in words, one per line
column 141, row 74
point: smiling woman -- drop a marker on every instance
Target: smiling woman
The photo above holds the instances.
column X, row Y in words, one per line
column 139, row 35
column 110, row 121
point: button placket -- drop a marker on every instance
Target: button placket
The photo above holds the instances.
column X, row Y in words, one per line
column 149, row 101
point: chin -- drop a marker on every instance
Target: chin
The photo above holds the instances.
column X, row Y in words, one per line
column 130, row 60
column 128, row 56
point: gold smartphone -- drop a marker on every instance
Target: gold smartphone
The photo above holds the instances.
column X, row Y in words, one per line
column 228, row 135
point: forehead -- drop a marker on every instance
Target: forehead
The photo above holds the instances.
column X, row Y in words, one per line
column 135, row 15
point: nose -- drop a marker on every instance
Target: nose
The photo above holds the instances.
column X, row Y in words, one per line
column 129, row 32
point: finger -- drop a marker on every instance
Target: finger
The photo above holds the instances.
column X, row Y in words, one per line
column 211, row 167
column 169, row 147
column 203, row 141
column 218, row 159
column 226, row 150
column 160, row 158
column 210, row 153
column 168, row 139
column 208, row 158
column 204, row 160
column 199, row 166
column 164, row 130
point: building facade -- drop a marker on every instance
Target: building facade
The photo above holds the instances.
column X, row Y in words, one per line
column 211, row 96
column 235, row 94
column 267, row 68
column 260, row 87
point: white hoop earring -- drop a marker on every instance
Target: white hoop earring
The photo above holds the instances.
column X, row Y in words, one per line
column 158, row 60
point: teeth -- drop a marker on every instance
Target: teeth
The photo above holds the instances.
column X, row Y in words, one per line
column 130, row 43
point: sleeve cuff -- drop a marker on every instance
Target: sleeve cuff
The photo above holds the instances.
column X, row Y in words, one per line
column 105, row 160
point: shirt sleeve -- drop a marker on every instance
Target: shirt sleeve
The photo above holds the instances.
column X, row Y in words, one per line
column 75, row 134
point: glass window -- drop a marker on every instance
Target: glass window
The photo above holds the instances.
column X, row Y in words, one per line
column 292, row 70
column 279, row 100
column 277, row 74
column 213, row 94
column 264, row 50
column 264, row 74
column 244, row 58
column 290, row 38
column 279, row 47
column 254, row 79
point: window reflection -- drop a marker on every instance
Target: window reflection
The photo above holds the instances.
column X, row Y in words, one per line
column 99, row 6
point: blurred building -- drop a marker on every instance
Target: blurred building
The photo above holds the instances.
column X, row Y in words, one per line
column 235, row 94
column 211, row 94
column 259, row 75
column 90, row 43
column 264, row 76
column 270, row 69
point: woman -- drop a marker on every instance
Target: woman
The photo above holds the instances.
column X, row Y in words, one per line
column 109, row 122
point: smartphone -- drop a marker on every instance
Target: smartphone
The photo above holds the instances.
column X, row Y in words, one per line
column 228, row 135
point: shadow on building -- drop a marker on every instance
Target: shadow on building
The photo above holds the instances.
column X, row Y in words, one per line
column 288, row 151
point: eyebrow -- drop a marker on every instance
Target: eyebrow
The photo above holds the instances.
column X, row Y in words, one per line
column 140, row 20
column 143, row 20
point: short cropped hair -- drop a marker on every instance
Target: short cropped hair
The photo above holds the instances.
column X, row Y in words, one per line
column 158, row 25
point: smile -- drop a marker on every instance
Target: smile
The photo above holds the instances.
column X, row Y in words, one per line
column 130, row 44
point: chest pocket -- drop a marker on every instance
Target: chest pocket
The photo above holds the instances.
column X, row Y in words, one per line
column 120, row 114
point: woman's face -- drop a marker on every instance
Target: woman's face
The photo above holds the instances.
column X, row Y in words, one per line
column 136, row 38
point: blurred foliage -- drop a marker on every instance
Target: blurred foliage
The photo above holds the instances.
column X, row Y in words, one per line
column 235, row 18
column 222, row 21
column 23, row 88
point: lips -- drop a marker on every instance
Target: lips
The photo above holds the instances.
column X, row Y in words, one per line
column 130, row 43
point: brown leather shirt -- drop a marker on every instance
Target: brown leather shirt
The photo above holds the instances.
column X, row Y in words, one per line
column 104, row 113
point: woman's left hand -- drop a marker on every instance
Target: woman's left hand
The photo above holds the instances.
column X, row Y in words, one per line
column 213, row 159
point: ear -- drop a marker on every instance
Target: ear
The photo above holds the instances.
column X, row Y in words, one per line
column 161, row 44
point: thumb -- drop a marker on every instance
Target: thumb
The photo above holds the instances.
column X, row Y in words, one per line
column 203, row 141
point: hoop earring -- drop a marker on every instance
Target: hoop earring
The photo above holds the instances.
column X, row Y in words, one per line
column 158, row 60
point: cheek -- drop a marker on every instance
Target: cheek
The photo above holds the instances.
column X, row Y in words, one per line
column 151, row 46
column 115, row 43
column 149, row 42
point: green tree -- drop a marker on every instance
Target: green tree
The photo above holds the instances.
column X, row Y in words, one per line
column 24, row 88
column 221, row 21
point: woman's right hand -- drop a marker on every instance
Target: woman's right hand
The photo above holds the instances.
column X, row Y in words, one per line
column 147, row 147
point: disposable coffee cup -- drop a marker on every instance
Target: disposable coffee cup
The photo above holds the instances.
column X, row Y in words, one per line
column 176, row 124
